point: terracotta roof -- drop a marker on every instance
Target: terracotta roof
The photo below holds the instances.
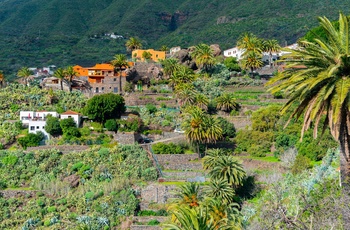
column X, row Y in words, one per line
column 103, row 66
column 70, row 112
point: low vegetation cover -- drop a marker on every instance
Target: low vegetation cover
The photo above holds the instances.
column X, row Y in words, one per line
column 91, row 189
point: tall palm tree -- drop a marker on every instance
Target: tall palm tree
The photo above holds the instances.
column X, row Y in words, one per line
column 133, row 43
column 203, row 55
column 170, row 65
column 182, row 74
column 69, row 75
column 185, row 95
column 146, row 56
column 191, row 219
column 60, row 74
column 119, row 62
column 24, row 73
column 201, row 101
column 252, row 54
column 209, row 161
column 317, row 79
column 164, row 48
column 188, row 194
column 219, row 189
column 227, row 102
column 200, row 127
column 229, row 169
column 270, row 46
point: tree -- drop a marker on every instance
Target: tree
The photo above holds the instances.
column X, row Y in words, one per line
column 111, row 125
column 119, row 62
column 219, row 189
column 164, row 48
column 317, row 79
column 60, row 74
column 170, row 65
column 227, row 102
column 182, row 74
column 231, row 63
column 201, row 101
column 53, row 126
column 229, row 169
column 146, row 55
column 104, row 107
column 67, row 123
column 133, row 43
column 24, row 73
column 188, row 195
column 186, row 95
column 252, row 54
column 203, row 56
column 69, row 75
column 228, row 128
column 200, row 127
column 270, row 46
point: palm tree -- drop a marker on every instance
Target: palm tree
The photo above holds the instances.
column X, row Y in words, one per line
column 24, row 73
column 185, row 94
column 133, row 44
column 252, row 60
column 270, row 46
column 191, row 219
column 229, row 169
column 200, row 127
column 60, row 74
column 119, row 62
column 164, row 48
column 219, row 189
column 69, row 75
column 317, row 78
column 182, row 74
column 252, row 54
column 170, row 65
column 188, row 195
column 201, row 101
column 227, row 102
column 203, row 56
column 209, row 161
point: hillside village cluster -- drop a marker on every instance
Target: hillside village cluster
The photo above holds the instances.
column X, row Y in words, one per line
column 104, row 78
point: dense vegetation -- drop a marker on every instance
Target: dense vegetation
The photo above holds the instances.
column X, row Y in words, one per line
column 73, row 32
column 99, row 197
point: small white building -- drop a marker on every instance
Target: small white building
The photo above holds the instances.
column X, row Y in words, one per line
column 38, row 125
column 26, row 116
column 234, row 52
column 76, row 116
column 175, row 49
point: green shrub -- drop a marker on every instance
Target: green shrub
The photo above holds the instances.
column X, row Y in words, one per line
column 47, row 223
column 147, row 213
column 70, row 133
column 51, row 209
column 171, row 148
column 151, row 108
column 89, row 195
column 31, row 140
column 9, row 160
column 301, row 163
column 111, row 125
column 77, row 166
column 85, row 131
column 40, row 203
column 96, row 126
column 3, row 184
column 67, row 123
column 153, row 222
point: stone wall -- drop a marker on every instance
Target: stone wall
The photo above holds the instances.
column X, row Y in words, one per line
column 155, row 193
column 179, row 161
column 144, row 227
column 16, row 193
column 127, row 137
column 61, row 148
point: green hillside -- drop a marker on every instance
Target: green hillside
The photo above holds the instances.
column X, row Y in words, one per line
column 41, row 32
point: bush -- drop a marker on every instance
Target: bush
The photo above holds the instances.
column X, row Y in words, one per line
column 97, row 126
column 67, row 123
column 111, row 125
column 3, row 185
column 301, row 163
column 228, row 129
column 151, row 108
column 53, row 126
column 171, row 148
column 153, row 222
column 31, row 140
column 70, row 133
column 133, row 123
column 147, row 213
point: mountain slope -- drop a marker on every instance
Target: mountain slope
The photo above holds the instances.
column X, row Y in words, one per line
column 64, row 32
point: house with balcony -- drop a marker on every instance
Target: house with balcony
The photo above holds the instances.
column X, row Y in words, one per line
column 71, row 114
column 103, row 78
column 155, row 55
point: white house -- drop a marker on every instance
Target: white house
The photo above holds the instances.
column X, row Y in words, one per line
column 76, row 116
column 174, row 50
column 234, row 52
column 35, row 126
column 26, row 116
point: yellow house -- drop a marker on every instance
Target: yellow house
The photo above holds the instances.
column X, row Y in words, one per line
column 155, row 55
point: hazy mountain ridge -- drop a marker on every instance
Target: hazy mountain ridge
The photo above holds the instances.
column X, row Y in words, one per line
column 39, row 32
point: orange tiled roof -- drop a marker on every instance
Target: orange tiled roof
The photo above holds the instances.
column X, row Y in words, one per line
column 70, row 112
column 103, row 66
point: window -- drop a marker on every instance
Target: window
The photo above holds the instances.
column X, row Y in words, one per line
column 114, row 79
column 96, row 91
column 156, row 55
column 32, row 128
column 69, row 116
column 43, row 127
column 103, row 88
column 37, row 127
column 115, row 90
